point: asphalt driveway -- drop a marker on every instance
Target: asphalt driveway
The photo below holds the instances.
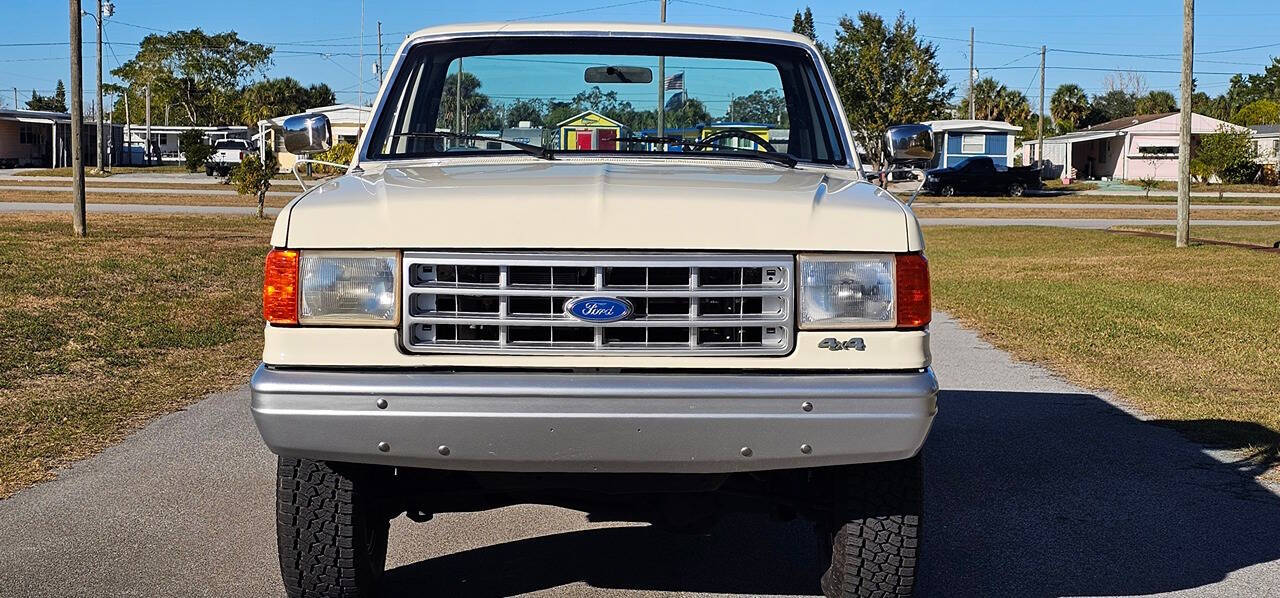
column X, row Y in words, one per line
column 1034, row 488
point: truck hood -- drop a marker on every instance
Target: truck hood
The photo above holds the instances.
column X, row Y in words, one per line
column 662, row 204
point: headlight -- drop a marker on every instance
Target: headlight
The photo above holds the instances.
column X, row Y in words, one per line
column 847, row 291
column 348, row 287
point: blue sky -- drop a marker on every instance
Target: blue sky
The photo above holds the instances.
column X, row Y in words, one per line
column 319, row 42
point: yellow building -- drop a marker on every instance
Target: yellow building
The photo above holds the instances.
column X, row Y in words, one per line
column 589, row 130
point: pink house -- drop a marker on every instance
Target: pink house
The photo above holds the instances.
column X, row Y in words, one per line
column 1126, row 148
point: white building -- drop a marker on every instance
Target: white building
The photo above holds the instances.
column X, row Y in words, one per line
column 164, row 141
column 346, row 120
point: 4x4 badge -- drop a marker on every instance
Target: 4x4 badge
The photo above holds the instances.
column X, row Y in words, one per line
column 855, row 344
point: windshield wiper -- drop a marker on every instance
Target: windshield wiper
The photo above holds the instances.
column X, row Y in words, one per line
column 528, row 148
column 775, row 157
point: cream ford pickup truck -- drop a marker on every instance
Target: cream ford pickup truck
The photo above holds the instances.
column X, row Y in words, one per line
column 645, row 303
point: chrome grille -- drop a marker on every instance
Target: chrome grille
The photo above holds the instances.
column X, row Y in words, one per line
column 515, row 303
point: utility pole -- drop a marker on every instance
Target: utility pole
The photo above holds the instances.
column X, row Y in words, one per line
column 972, row 108
column 1184, row 125
column 662, row 82
column 128, row 125
column 146, row 145
column 1040, row 121
column 77, row 118
column 15, row 98
column 360, row 68
column 379, row 54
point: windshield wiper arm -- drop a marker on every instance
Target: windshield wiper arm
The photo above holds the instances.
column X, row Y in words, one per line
column 536, row 151
column 775, row 157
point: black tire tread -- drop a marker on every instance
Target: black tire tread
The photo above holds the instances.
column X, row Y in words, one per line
column 317, row 515
column 875, row 550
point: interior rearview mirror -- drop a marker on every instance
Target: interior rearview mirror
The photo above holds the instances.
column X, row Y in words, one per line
column 307, row 134
column 619, row 74
column 908, row 143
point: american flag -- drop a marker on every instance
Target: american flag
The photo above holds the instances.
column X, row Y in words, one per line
column 674, row 82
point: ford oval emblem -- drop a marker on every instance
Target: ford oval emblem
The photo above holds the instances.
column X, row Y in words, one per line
column 599, row 309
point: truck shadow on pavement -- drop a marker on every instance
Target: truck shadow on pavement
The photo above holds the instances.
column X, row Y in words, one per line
column 1028, row 494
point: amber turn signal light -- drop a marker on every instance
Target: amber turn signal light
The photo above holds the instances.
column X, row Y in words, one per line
column 280, row 287
column 915, row 308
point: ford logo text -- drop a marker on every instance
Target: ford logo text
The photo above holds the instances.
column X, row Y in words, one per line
column 599, row 309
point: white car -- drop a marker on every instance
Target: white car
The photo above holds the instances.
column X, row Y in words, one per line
column 655, row 325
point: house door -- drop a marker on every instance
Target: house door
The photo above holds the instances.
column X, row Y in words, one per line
column 607, row 137
column 585, row 140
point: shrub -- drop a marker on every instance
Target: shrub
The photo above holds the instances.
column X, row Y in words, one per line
column 195, row 151
column 341, row 153
column 1228, row 155
column 252, row 176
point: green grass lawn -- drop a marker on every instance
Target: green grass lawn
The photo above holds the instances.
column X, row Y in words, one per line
column 1256, row 235
column 1187, row 335
column 100, row 335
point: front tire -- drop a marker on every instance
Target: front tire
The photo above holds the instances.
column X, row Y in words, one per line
column 874, row 534
column 330, row 530
column 1017, row 189
column 947, row 191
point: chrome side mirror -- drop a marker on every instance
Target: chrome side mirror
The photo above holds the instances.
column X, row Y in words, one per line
column 908, row 143
column 307, row 134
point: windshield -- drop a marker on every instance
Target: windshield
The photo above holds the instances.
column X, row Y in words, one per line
column 597, row 95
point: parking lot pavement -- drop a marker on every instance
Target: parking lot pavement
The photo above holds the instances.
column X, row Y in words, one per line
column 1035, row 488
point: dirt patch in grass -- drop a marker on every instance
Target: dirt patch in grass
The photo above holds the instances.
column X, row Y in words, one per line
column 100, row 335
column 88, row 172
column 1101, row 212
column 1215, row 187
column 1057, row 185
column 1265, row 236
column 176, row 199
column 1187, row 335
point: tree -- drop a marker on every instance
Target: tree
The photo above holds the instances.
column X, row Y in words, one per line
column 1258, row 112
column 1069, row 106
column 276, row 97
column 54, row 103
column 760, row 106
column 885, row 76
column 478, row 111
column 195, row 152
column 993, row 101
column 252, row 176
column 1156, row 102
column 340, row 153
column 803, row 24
column 526, row 110
column 692, row 112
column 1228, row 154
column 1110, row 106
column 198, row 73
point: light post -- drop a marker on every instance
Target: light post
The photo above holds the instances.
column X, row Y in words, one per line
column 105, row 9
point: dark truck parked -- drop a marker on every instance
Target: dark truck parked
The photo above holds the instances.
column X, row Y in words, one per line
column 981, row 175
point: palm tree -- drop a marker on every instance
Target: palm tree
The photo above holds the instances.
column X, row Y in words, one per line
column 1069, row 105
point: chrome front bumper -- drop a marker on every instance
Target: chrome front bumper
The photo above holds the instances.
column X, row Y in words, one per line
column 545, row 422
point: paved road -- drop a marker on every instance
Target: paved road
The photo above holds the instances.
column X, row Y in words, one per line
column 1009, row 205
column 130, row 208
column 1035, row 488
column 178, row 178
column 91, row 190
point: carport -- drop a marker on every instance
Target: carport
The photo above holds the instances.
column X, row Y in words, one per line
column 42, row 139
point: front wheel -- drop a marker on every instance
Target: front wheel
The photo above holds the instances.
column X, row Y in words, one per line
column 947, row 191
column 1017, row 189
column 873, row 534
column 330, row 530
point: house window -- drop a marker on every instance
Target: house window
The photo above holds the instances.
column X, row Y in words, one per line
column 1158, row 150
column 1275, row 146
column 28, row 134
column 973, row 143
